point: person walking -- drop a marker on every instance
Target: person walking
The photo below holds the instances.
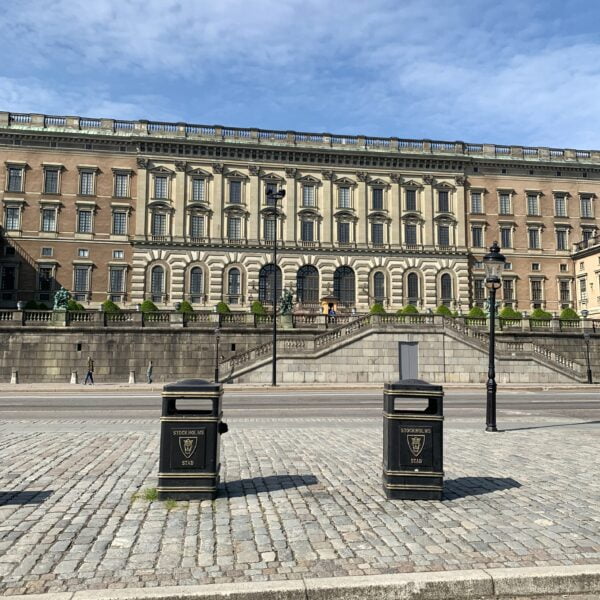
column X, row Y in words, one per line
column 149, row 373
column 90, row 371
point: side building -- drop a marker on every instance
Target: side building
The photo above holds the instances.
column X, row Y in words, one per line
column 134, row 210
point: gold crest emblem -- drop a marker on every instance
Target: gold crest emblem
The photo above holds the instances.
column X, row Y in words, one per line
column 416, row 443
column 188, row 445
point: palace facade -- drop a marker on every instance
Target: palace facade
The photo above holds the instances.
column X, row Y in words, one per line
column 134, row 210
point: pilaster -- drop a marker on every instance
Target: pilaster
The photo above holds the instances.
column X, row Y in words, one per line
column 254, row 204
column 290, row 204
column 219, row 227
column 428, row 211
column 141, row 211
column 461, row 213
column 328, row 208
column 395, row 235
column 362, row 207
column 179, row 202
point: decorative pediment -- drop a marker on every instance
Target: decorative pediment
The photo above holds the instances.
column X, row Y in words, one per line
column 272, row 177
column 345, row 215
column 444, row 185
column 379, row 183
column 309, row 212
column 198, row 172
column 445, row 218
column 160, row 205
column 236, row 210
column 162, row 171
column 309, row 180
column 269, row 210
column 411, row 183
column 236, row 175
column 198, row 207
column 345, row 181
column 379, row 216
column 413, row 216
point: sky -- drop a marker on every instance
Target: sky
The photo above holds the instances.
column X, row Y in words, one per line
column 522, row 72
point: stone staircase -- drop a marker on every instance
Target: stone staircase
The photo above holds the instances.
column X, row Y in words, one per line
column 302, row 345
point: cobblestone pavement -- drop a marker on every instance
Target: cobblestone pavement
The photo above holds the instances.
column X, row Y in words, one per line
column 301, row 497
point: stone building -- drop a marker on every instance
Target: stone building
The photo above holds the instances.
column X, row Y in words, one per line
column 136, row 209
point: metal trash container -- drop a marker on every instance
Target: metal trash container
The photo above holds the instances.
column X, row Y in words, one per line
column 189, row 440
column 412, row 440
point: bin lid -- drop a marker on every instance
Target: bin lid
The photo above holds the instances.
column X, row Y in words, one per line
column 193, row 385
column 415, row 385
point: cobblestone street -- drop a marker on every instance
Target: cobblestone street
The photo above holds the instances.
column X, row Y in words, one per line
column 299, row 497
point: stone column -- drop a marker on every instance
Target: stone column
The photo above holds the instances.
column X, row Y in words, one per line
column 290, row 202
column 362, row 209
column 395, row 238
column 328, row 209
column 141, row 211
column 179, row 202
column 254, row 197
column 428, row 211
column 219, row 227
column 461, row 213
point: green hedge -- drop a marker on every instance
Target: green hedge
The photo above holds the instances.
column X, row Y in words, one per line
column 377, row 309
column 409, row 309
column 476, row 312
column 540, row 315
column 108, row 306
column 510, row 313
column 148, row 306
column 257, row 308
column 222, row 308
column 74, row 306
column 185, row 307
column 568, row 314
column 443, row 310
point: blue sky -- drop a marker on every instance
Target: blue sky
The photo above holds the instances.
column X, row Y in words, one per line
column 522, row 72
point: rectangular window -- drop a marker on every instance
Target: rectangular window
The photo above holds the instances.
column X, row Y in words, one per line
column 308, row 195
column 86, row 183
column 343, row 231
column 344, row 197
column 560, row 206
column 12, row 218
column 116, row 280
column 443, row 235
column 561, row 239
column 504, row 204
column 198, row 194
column 45, row 279
column 160, row 187
column 118, row 254
column 506, row 237
column 8, row 279
column 121, row 185
column 410, row 234
column 564, row 268
column 587, row 234
column 235, row 192
column 119, row 223
column 508, row 266
column 51, row 181
column 479, row 290
column 84, row 221
column 196, row 226
column 377, row 234
column 269, row 229
column 15, row 179
column 565, row 291
column 583, row 289
column 411, row 200
column 533, row 205
column 536, row 266
column 83, row 252
column 533, row 235
column 377, row 199
column 270, row 189
column 586, row 206
column 81, row 277
column 49, row 219
column 47, row 251
column 477, row 237
column 443, row 202
column 508, row 290
column 159, row 224
column 308, row 231
column 476, row 205
column 234, row 228
column 536, row 290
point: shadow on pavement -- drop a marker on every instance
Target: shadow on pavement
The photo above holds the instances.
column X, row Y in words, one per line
column 461, row 487
column 271, row 483
column 507, row 430
column 24, row 497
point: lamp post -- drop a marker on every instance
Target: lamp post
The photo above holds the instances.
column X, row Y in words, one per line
column 274, row 198
column 217, row 338
column 493, row 263
column 586, row 338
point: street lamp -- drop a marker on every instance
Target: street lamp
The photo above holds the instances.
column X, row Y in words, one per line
column 273, row 198
column 493, row 263
column 586, row 338
column 217, row 338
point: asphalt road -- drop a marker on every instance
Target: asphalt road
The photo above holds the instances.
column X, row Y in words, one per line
column 514, row 407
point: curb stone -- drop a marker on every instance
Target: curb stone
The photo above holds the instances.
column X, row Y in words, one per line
column 476, row 584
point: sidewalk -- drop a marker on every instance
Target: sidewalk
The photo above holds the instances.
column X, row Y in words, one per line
column 300, row 503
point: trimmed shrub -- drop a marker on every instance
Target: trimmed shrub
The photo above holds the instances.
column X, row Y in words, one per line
column 148, row 306
column 476, row 312
column 74, row 306
column 377, row 309
column 257, row 308
column 443, row 310
column 568, row 314
column 108, row 306
column 31, row 305
column 185, row 307
column 510, row 313
column 222, row 308
column 540, row 315
column 409, row 309
column 42, row 306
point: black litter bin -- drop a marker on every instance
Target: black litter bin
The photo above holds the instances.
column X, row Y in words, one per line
column 189, row 440
column 413, row 440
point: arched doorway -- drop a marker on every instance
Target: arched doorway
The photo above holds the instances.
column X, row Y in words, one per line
column 307, row 285
column 344, row 286
column 269, row 275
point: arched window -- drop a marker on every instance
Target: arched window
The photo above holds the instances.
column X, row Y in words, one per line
column 446, row 289
column 266, row 278
column 157, row 284
column 413, row 289
column 379, row 287
column 196, row 285
column 307, row 285
column 234, row 286
column 344, row 288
